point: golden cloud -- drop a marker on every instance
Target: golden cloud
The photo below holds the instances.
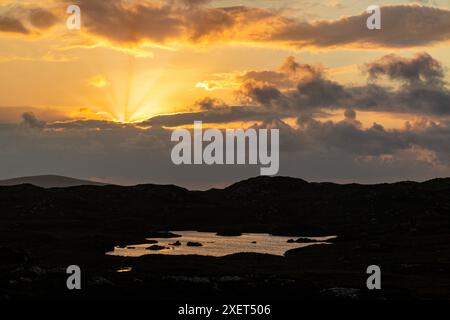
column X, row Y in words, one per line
column 130, row 24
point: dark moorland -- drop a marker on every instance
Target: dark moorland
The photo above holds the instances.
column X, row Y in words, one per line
column 403, row 227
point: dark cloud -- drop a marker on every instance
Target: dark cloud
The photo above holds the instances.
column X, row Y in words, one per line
column 269, row 78
column 288, row 74
column 42, row 19
column 422, row 68
column 223, row 114
column 319, row 92
column 86, row 124
column 423, row 100
column 10, row 114
column 124, row 22
column 121, row 23
column 192, row 3
column 8, row 24
column 264, row 95
column 25, row 20
column 297, row 71
column 417, row 99
column 350, row 114
column 401, row 26
column 424, row 91
column 209, row 103
column 30, row 120
column 348, row 136
column 294, row 86
column 311, row 93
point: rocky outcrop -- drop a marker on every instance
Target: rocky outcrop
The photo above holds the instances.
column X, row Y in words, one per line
column 155, row 248
column 194, row 244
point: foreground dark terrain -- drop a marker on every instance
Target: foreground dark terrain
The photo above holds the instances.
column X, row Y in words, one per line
column 403, row 227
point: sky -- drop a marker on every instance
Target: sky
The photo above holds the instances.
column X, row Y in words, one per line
column 101, row 102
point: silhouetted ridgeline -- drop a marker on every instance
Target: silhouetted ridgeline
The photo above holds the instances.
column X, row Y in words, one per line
column 49, row 181
column 277, row 205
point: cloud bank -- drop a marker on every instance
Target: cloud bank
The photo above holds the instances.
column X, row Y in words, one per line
column 177, row 23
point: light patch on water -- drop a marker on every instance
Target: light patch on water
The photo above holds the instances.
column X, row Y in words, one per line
column 217, row 246
column 124, row 269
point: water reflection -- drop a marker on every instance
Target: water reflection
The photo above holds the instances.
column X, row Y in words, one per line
column 210, row 244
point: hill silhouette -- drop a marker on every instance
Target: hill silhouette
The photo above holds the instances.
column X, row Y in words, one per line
column 279, row 204
column 48, row 181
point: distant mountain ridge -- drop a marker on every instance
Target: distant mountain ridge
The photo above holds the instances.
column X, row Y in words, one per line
column 277, row 205
column 50, row 181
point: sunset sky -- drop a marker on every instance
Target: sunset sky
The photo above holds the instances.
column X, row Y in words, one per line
column 352, row 104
